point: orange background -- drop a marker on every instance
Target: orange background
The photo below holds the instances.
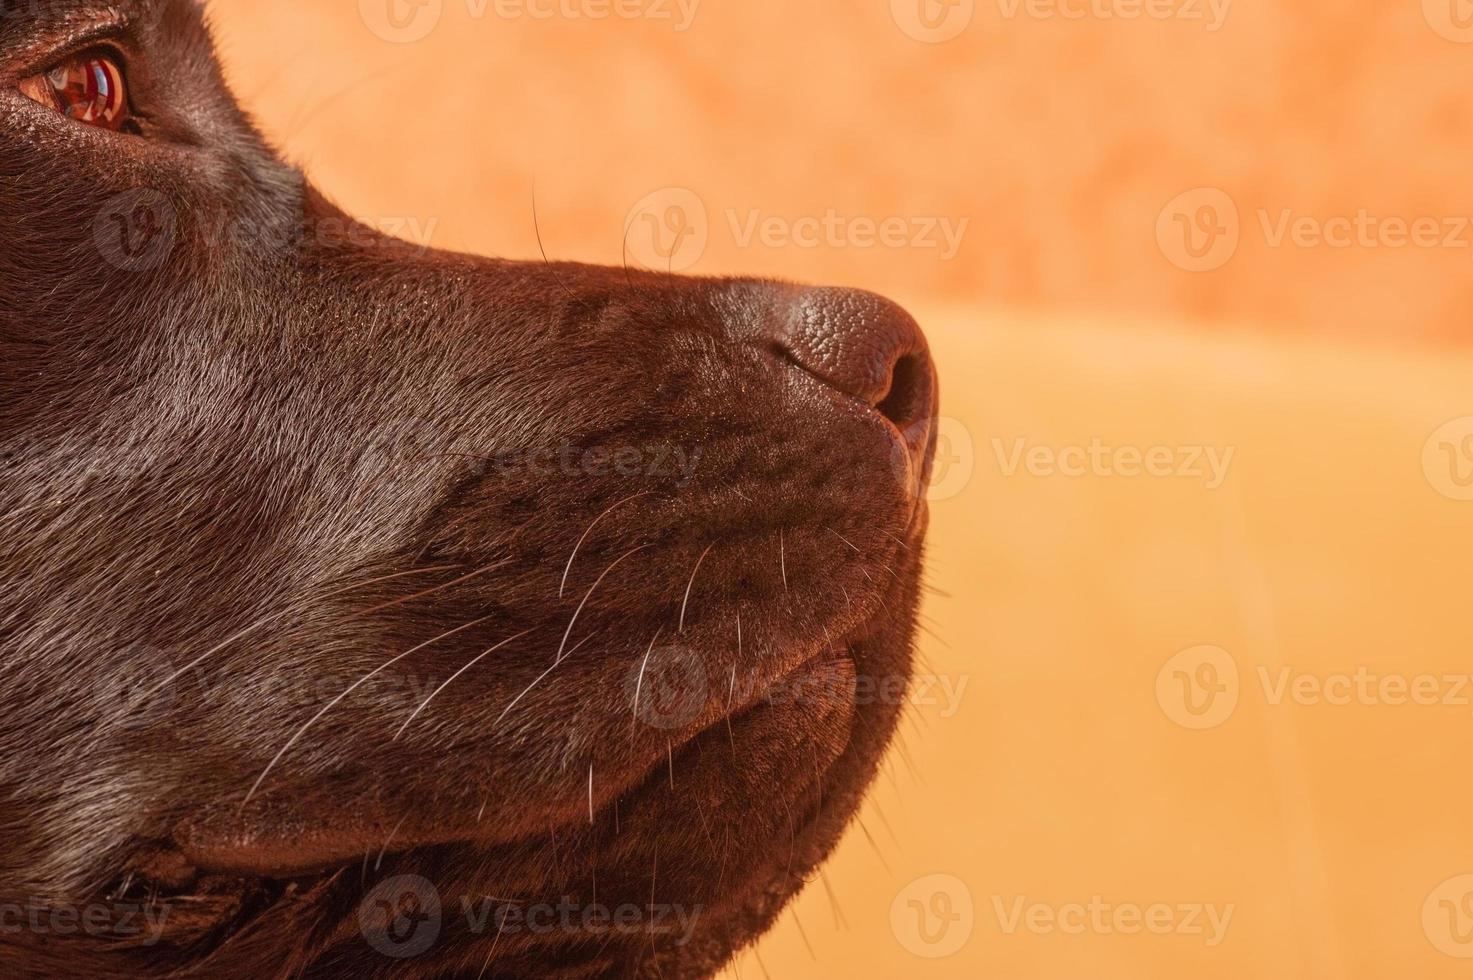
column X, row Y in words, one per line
column 1071, row 313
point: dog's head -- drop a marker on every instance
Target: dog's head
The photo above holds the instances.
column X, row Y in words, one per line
column 366, row 610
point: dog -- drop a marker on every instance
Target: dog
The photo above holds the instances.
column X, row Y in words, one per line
column 368, row 610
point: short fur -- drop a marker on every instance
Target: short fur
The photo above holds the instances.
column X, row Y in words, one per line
column 267, row 487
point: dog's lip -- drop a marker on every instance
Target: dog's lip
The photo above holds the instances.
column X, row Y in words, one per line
column 224, row 857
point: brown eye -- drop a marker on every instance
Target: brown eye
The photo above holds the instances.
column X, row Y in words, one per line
column 88, row 88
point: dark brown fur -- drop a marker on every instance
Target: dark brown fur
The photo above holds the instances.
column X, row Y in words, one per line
column 245, row 473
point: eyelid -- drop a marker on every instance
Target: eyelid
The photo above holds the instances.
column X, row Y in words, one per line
column 50, row 44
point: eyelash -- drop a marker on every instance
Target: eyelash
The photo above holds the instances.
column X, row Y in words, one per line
column 90, row 87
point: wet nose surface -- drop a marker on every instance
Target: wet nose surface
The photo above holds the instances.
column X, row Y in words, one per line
column 866, row 347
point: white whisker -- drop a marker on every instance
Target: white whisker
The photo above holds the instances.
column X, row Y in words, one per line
column 577, row 612
column 782, row 544
column 639, row 683
column 453, row 677
column 569, row 567
column 543, row 676
column 691, row 584
column 337, row 700
column 267, row 620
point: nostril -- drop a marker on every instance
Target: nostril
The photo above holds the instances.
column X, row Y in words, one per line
column 864, row 346
column 909, row 397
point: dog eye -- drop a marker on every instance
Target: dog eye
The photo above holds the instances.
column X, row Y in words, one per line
column 89, row 88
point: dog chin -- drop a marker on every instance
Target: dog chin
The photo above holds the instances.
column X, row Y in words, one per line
column 671, row 879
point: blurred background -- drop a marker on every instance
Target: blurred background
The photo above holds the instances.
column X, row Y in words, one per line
column 1195, row 695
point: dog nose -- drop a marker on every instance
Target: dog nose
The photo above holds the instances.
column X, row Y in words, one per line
column 865, row 346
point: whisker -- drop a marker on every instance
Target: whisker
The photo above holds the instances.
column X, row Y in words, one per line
column 782, row 545
column 338, row 700
column 841, row 537
column 878, row 853
column 803, row 932
column 639, row 682
column 267, row 620
column 500, row 927
column 841, row 921
column 385, row 849
column 691, row 584
column 542, row 676
column 439, row 588
column 564, row 584
column 537, row 227
column 577, row 612
column 624, row 250
column 453, row 677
